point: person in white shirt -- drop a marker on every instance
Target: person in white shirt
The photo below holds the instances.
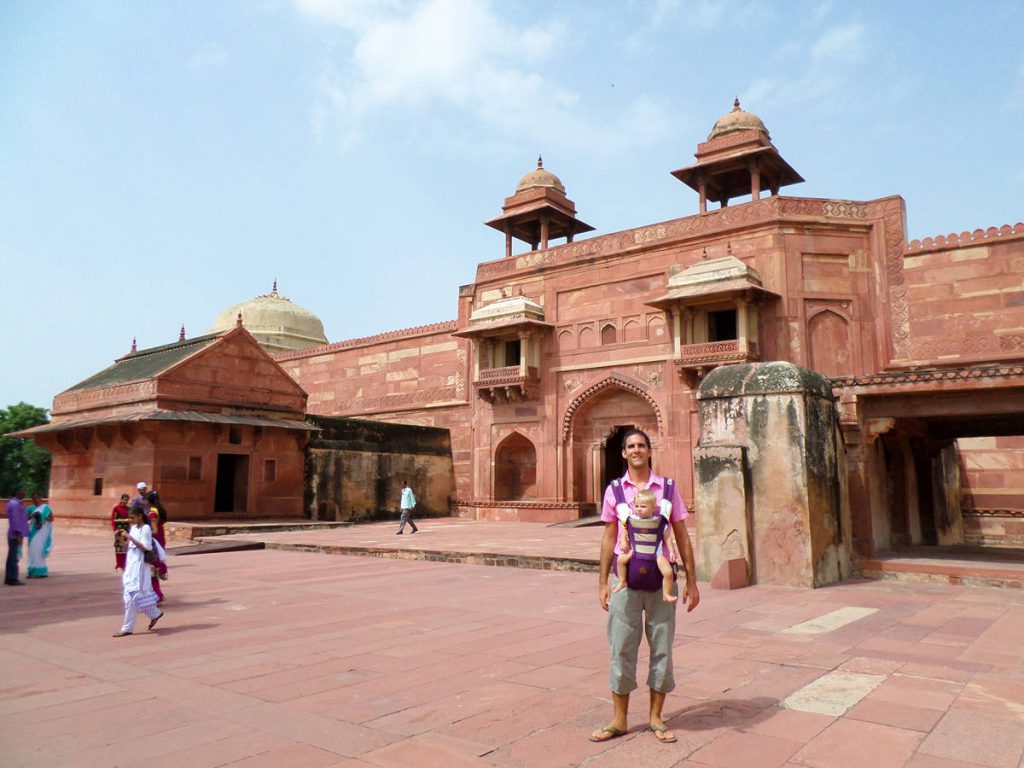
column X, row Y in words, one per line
column 137, row 576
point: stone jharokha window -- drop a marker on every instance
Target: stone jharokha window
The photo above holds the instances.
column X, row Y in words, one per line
column 513, row 350
column 269, row 470
column 722, row 325
column 97, row 486
column 195, row 468
column 515, row 469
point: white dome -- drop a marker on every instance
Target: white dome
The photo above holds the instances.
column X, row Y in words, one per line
column 277, row 323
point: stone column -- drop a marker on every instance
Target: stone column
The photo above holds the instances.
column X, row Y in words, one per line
column 768, row 482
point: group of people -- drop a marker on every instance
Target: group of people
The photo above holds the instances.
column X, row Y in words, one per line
column 139, row 555
column 644, row 540
column 32, row 524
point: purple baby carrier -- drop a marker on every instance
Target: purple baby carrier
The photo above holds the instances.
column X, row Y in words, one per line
column 644, row 539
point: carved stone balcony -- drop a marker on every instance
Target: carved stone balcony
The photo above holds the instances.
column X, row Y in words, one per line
column 697, row 359
column 508, row 384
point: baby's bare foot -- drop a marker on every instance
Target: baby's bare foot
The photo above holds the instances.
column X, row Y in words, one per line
column 619, row 587
column 669, row 598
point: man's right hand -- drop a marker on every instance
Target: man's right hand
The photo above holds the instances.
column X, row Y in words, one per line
column 604, row 594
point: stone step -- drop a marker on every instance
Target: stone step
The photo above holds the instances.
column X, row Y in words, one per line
column 974, row 571
column 193, row 531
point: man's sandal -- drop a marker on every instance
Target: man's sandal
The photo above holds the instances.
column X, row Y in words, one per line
column 659, row 734
column 607, row 734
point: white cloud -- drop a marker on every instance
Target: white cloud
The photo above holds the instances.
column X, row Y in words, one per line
column 354, row 14
column 817, row 69
column 841, row 44
column 210, row 56
column 429, row 56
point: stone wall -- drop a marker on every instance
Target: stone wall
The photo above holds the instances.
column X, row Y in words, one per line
column 992, row 472
column 417, row 376
column 965, row 296
column 769, row 477
column 355, row 469
column 92, row 467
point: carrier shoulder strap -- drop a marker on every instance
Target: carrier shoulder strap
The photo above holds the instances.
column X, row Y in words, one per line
column 620, row 497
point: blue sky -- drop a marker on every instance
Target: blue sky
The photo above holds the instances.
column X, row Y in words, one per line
column 162, row 161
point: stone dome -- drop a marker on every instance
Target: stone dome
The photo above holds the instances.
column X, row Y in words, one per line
column 737, row 120
column 278, row 324
column 540, row 177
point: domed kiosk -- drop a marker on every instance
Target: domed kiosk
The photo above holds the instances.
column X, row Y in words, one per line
column 278, row 324
column 538, row 212
column 737, row 160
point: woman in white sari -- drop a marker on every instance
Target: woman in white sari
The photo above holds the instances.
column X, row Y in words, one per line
column 137, row 576
column 40, row 537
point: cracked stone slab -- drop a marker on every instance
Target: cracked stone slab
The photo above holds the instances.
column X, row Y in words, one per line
column 833, row 693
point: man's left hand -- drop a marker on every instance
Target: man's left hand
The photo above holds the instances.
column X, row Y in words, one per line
column 691, row 595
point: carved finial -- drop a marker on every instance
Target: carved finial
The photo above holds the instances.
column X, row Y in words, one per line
column 736, row 104
column 273, row 291
column 728, row 248
column 239, row 321
column 704, row 253
column 134, row 346
column 540, row 161
column 181, row 334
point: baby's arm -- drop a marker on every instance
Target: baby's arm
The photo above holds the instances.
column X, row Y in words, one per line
column 671, row 550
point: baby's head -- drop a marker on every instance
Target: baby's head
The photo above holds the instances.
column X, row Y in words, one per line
column 645, row 502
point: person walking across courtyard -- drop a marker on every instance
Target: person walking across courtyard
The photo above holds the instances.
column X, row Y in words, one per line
column 408, row 504
column 633, row 612
column 136, row 579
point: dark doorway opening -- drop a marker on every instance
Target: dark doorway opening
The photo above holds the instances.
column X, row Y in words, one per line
column 232, row 493
column 722, row 325
column 614, row 464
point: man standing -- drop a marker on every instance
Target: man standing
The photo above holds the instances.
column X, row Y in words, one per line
column 407, row 504
column 139, row 501
column 17, row 531
column 633, row 611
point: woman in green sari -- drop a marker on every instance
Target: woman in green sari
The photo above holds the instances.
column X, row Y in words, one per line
column 40, row 537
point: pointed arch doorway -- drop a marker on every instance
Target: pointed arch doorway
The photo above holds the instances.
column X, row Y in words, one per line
column 595, row 440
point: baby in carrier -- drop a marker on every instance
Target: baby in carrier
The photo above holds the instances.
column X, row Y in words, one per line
column 650, row 534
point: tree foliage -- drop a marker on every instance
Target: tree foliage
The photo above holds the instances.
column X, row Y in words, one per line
column 21, row 460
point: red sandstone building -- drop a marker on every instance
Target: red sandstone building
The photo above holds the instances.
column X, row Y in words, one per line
column 212, row 422
column 557, row 349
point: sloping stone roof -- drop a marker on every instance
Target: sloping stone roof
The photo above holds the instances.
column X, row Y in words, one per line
column 145, row 363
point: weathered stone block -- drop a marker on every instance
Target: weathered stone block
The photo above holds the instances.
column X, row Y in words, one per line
column 768, row 475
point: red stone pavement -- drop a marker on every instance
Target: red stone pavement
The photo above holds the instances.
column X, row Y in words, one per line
column 286, row 658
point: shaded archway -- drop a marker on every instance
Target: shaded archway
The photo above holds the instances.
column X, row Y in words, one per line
column 595, row 425
column 515, row 469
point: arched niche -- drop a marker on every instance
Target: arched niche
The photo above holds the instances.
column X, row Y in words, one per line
column 828, row 335
column 515, row 469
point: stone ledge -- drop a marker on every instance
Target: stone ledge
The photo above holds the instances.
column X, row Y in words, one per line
column 533, row 562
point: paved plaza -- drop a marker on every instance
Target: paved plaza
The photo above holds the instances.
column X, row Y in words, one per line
column 301, row 658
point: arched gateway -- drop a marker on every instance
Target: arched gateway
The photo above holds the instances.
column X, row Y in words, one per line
column 594, row 425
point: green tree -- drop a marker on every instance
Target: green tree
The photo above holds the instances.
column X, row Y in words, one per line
column 21, row 460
